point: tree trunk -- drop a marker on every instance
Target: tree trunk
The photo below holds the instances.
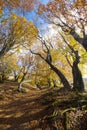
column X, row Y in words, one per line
column 77, row 78
column 21, row 82
column 63, row 79
column 3, row 77
column 20, row 87
column 48, row 60
column 82, row 41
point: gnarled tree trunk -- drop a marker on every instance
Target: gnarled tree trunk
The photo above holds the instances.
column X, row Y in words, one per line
column 77, row 78
column 63, row 79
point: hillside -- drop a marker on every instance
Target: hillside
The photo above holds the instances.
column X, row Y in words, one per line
column 46, row 109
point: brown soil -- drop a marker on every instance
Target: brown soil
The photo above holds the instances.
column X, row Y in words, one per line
column 20, row 111
column 37, row 109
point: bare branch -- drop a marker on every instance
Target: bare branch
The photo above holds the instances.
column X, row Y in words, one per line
column 35, row 53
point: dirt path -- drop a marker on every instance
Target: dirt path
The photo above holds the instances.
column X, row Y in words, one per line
column 21, row 111
column 41, row 109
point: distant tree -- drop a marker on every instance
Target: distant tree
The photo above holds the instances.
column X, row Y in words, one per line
column 26, row 65
column 5, row 69
column 42, row 73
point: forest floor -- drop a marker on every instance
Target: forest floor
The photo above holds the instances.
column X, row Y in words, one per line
column 46, row 109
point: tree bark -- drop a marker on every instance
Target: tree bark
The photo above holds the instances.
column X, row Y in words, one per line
column 82, row 41
column 77, row 78
column 60, row 75
column 48, row 60
column 21, row 82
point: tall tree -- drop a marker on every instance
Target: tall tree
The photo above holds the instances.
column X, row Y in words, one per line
column 13, row 32
column 77, row 75
column 45, row 54
column 70, row 15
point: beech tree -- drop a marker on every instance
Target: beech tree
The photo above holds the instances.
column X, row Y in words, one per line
column 45, row 54
column 77, row 75
column 26, row 65
column 42, row 73
column 5, row 67
column 69, row 15
column 14, row 28
column 4, row 70
column 14, row 33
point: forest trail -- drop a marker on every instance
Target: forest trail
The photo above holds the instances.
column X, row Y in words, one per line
column 41, row 109
column 21, row 111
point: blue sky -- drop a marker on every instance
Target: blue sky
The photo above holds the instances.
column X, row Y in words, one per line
column 33, row 16
column 44, row 1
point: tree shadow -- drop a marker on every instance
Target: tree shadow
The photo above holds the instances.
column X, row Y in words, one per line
column 22, row 113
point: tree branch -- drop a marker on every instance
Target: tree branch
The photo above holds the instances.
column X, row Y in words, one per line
column 35, row 53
